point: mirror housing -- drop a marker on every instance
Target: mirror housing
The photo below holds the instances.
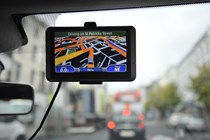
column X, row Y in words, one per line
column 16, row 99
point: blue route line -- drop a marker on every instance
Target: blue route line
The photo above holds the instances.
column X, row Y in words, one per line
column 123, row 49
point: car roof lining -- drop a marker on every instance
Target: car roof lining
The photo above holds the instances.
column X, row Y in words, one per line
column 12, row 34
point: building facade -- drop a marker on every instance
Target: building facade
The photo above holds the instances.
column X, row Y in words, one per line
column 188, row 67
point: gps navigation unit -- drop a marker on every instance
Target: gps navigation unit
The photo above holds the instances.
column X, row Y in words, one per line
column 90, row 54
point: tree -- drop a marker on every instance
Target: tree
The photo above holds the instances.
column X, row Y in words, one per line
column 170, row 96
column 200, row 84
column 164, row 98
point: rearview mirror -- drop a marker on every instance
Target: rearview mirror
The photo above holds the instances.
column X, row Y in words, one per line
column 16, row 99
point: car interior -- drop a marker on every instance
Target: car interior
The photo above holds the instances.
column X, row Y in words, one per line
column 13, row 36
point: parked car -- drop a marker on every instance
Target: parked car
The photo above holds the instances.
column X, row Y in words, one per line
column 188, row 115
column 11, row 129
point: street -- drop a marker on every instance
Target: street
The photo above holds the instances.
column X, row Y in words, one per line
column 153, row 128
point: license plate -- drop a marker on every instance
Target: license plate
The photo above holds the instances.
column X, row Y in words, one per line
column 125, row 133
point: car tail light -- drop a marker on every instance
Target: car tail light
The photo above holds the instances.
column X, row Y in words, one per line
column 141, row 125
column 141, row 117
column 111, row 125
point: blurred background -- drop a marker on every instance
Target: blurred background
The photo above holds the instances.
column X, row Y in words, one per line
column 170, row 98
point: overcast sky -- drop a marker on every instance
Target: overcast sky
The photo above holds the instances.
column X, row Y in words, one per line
column 164, row 35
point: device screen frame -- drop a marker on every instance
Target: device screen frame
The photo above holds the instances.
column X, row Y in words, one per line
column 129, row 75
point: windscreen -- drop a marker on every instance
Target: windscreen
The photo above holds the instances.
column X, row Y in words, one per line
column 173, row 67
column 90, row 51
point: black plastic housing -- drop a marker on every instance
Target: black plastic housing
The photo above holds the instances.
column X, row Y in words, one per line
column 91, row 77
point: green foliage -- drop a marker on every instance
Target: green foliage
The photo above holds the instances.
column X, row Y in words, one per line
column 163, row 98
column 200, row 84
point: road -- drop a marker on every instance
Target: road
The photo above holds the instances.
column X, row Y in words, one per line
column 153, row 128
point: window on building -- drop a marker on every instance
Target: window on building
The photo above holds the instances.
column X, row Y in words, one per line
column 34, row 52
column 9, row 73
column 18, row 72
column 32, row 76
column 42, row 82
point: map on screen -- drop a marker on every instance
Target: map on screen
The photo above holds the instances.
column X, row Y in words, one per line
column 90, row 51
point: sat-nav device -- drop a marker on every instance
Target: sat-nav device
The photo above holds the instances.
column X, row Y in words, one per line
column 91, row 54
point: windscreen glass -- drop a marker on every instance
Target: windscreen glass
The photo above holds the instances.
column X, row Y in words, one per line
column 172, row 77
column 90, row 51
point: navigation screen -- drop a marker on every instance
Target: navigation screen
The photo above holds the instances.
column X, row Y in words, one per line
column 90, row 51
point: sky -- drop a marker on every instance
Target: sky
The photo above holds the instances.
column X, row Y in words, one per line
column 164, row 35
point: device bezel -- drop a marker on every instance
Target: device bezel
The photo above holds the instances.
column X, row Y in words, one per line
column 129, row 75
